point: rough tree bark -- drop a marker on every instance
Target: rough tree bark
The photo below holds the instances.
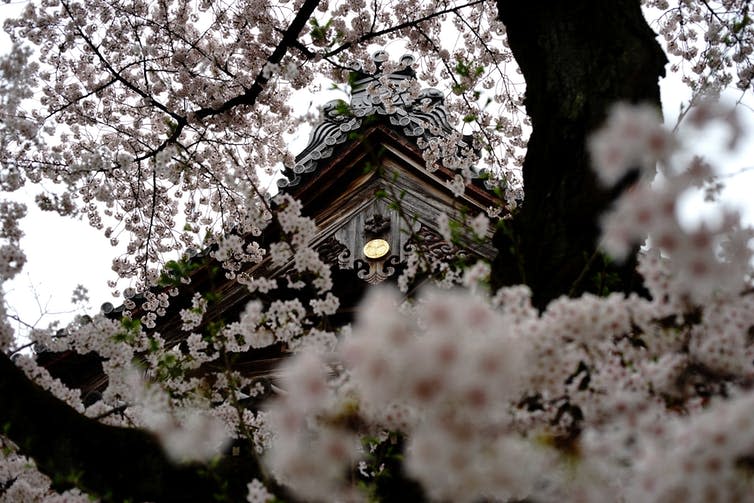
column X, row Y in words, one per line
column 577, row 58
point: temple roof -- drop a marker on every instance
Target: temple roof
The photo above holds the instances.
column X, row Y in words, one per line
column 393, row 97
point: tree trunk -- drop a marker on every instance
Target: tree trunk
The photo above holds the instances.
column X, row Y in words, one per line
column 578, row 58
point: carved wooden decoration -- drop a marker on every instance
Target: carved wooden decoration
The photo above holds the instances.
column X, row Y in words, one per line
column 376, row 271
column 376, row 225
column 332, row 251
column 433, row 246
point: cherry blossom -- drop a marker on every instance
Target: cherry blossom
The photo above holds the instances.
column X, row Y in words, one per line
column 161, row 125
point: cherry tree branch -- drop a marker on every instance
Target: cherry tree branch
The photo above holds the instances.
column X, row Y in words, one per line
column 406, row 24
column 117, row 74
column 289, row 39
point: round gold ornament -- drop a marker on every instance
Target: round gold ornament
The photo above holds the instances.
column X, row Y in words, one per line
column 376, row 248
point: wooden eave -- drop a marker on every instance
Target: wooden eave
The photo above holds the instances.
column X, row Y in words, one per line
column 336, row 177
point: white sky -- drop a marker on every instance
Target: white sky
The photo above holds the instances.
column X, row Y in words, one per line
column 63, row 253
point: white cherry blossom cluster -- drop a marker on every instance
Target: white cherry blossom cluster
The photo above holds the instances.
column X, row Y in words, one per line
column 308, row 455
column 633, row 137
column 459, row 232
column 18, row 73
column 444, row 274
column 42, row 377
column 288, row 322
column 699, row 458
column 188, row 432
column 711, row 260
column 589, row 400
column 284, row 318
column 411, row 371
column 469, row 228
column 7, row 334
column 455, row 390
column 191, row 435
column 240, row 423
column 299, row 232
column 237, row 253
column 12, row 258
column 21, row 481
column 258, row 493
column 323, row 307
column 192, row 317
column 709, row 43
column 252, row 328
column 450, row 371
column 261, row 284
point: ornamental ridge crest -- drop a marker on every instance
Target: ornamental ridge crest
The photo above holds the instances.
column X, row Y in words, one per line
column 394, row 96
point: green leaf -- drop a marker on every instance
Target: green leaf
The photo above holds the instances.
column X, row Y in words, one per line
column 462, row 69
column 458, row 89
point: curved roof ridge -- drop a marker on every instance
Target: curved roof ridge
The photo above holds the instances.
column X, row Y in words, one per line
column 393, row 95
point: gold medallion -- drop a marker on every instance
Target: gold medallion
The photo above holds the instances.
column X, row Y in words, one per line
column 376, row 248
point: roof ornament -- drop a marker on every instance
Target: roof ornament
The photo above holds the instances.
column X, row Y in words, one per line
column 393, row 95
